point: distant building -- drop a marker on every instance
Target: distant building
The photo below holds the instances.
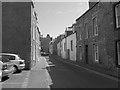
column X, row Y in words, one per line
column 45, row 43
column 67, row 45
column 71, row 47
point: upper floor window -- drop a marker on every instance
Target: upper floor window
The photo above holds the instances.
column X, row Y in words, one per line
column 117, row 14
column 95, row 26
column 86, row 30
column 80, row 33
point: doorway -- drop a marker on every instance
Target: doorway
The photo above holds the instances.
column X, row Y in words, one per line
column 86, row 54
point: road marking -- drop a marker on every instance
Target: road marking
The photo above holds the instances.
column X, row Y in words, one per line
column 17, row 74
column 25, row 83
column 104, row 75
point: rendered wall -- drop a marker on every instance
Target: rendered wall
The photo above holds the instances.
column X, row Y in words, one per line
column 16, row 34
column 72, row 53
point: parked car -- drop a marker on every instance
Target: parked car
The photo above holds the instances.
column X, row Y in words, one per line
column 19, row 64
column 44, row 54
column 7, row 66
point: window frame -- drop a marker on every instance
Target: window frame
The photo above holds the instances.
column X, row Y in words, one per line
column 95, row 26
column 86, row 30
column 116, row 16
column 80, row 32
column 96, row 50
column 118, row 52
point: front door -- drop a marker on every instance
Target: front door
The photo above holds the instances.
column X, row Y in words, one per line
column 86, row 54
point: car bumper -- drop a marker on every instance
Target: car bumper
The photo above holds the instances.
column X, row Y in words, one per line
column 7, row 72
column 22, row 66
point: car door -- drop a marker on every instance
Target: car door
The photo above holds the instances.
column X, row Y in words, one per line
column 8, row 65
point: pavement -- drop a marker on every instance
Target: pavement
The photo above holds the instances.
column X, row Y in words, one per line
column 41, row 77
column 37, row 77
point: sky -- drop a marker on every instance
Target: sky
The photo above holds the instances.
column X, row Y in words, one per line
column 54, row 16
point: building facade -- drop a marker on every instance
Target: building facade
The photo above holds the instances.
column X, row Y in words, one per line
column 66, row 48
column 97, row 35
column 45, row 43
column 19, row 30
column 71, row 47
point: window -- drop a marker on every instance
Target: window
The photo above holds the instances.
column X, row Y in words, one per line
column 10, row 57
column 117, row 13
column 95, row 26
column 80, row 33
column 71, row 45
column 80, row 52
column 118, row 52
column 86, row 30
column 96, row 54
column 4, row 59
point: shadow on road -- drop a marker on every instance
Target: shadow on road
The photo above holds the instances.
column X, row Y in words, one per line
column 5, row 78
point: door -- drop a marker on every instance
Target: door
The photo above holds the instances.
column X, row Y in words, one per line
column 68, row 54
column 86, row 54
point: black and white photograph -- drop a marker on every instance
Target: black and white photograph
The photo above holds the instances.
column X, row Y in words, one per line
column 59, row 44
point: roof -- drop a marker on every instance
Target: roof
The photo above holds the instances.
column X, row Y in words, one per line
column 8, row 54
column 86, row 11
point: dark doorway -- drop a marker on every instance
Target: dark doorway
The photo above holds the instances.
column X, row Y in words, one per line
column 86, row 54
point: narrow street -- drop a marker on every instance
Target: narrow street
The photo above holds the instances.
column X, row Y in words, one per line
column 57, row 75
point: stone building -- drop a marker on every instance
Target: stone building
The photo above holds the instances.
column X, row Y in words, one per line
column 97, row 35
column 19, row 30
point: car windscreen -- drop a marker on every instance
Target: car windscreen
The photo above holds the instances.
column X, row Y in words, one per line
column 10, row 57
column 4, row 59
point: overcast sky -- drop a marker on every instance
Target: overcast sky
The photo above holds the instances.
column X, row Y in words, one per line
column 54, row 17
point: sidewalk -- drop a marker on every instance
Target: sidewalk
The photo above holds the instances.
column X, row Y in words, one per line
column 109, row 73
column 38, row 77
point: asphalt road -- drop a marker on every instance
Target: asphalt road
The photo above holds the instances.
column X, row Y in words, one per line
column 65, row 76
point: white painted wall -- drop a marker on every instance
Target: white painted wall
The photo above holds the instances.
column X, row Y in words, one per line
column 72, row 53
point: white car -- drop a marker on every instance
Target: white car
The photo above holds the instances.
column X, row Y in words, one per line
column 6, row 67
column 19, row 64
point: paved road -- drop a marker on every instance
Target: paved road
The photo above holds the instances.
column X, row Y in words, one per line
column 38, row 77
column 65, row 76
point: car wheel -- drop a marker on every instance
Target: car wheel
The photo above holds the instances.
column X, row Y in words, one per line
column 15, row 69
